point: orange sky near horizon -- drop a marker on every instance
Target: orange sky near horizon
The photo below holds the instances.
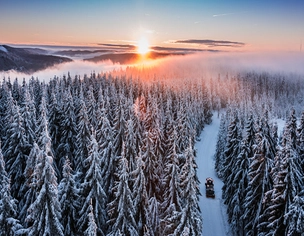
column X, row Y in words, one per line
column 229, row 26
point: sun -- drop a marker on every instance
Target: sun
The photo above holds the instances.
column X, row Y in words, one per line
column 143, row 46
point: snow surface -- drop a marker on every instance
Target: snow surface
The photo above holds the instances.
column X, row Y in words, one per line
column 213, row 210
column 3, row 49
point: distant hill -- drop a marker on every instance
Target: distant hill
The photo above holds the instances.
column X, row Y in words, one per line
column 130, row 57
column 27, row 60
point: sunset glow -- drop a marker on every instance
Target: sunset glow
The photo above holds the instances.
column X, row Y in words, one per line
column 143, row 46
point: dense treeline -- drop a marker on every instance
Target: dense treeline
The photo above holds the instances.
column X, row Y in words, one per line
column 262, row 173
column 100, row 156
column 255, row 90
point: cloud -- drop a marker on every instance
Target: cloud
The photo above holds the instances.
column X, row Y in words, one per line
column 125, row 46
column 224, row 14
column 211, row 43
column 149, row 31
column 184, row 50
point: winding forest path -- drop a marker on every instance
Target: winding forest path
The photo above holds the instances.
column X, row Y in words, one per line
column 213, row 211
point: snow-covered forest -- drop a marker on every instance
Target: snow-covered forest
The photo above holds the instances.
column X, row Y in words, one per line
column 114, row 155
column 262, row 168
column 100, row 155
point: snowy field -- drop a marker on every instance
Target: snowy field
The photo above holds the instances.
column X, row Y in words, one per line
column 213, row 210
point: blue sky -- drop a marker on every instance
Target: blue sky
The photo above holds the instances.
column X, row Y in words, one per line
column 258, row 25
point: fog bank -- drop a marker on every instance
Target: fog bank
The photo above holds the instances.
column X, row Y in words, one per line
column 192, row 66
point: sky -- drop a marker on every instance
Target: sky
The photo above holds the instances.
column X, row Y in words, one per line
column 272, row 25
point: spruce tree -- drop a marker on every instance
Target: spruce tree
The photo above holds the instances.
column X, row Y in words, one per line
column 91, row 189
column 28, row 113
column 16, row 149
column 54, row 114
column 82, row 141
column 140, row 196
column 172, row 196
column 119, row 126
column 190, row 218
column 43, row 127
column 92, row 227
column 121, row 210
column 295, row 216
column 9, row 224
column 44, row 213
column 30, row 184
column 130, row 142
column 108, row 160
column 260, row 179
column 153, row 218
column 91, row 107
column 151, row 166
column 300, row 141
column 68, row 127
column 68, row 196
column 8, row 105
column 238, row 180
column 231, row 152
column 220, row 147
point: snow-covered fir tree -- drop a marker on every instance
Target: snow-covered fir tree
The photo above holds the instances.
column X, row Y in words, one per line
column 92, row 227
column 153, row 217
column 54, row 117
column 231, row 152
column 28, row 112
column 140, row 197
column 8, row 105
column 119, row 123
column 295, row 216
column 68, row 127
column 16, row 148
column 220, row 146
column 9, row 223
column 91, row 107
column 150, row 160
column 300, row 141
column 240, row 170
column 121, row 210
column 68, row 196
column 30, row 183
column 105, row 138
column 91, row 189
column 190, row 217
column 172, row 203
column 44, row 213
column 260, row 179
column 82, row 140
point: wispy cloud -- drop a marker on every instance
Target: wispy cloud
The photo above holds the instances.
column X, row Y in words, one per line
column 181, row 50
column 125, row 46
column 211, row 43
column 149, row 31
column 223, row 14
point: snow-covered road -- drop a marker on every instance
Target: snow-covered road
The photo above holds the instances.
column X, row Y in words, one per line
column 213, row 211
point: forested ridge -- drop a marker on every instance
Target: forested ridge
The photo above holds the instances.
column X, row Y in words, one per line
column 114, row 155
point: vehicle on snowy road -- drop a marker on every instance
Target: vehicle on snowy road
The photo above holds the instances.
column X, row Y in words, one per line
column 209, row 187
